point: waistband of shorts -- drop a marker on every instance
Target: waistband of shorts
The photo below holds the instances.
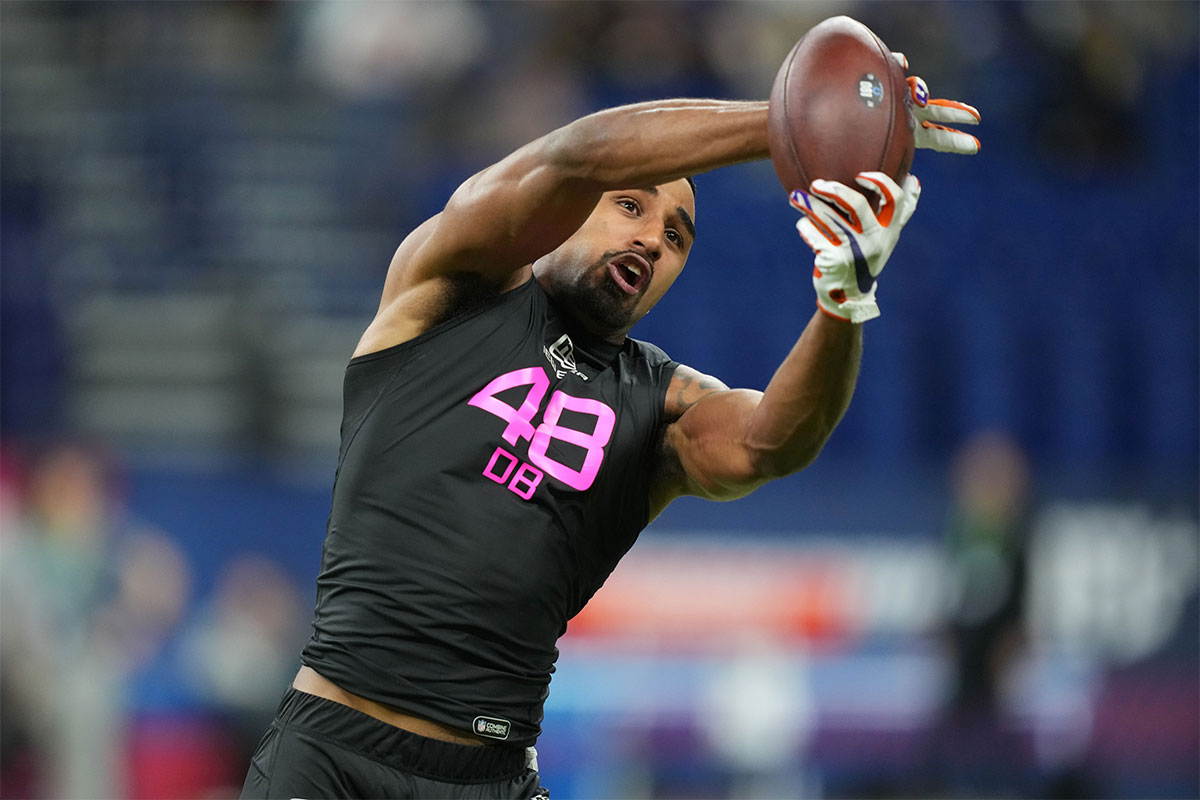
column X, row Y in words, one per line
column 405, row 751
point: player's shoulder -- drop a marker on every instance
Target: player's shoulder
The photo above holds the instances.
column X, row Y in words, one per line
column 682, row 386
column 652, row 354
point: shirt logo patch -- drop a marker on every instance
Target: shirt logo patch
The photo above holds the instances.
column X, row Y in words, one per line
column 561, row 356
column 492, row 727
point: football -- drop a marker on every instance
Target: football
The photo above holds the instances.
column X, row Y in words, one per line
column 839, row 106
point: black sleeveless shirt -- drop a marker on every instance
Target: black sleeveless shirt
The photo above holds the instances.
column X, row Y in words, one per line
column 492, row 473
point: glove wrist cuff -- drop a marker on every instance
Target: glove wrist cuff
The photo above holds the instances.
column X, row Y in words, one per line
column 854, row 312
column 844, row 304
column 832, row 314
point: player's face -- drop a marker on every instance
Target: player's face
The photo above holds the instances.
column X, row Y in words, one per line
column 624, row 257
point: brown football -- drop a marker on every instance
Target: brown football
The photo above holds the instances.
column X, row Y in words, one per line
column 839, row 106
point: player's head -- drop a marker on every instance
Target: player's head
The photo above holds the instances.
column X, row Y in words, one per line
column 624, row 257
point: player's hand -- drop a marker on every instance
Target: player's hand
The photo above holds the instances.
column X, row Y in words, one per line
column 853, row 246
column 930, row 115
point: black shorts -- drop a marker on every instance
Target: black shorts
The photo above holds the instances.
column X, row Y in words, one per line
column 317, row 748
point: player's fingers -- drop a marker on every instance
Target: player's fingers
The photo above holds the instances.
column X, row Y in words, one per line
column 951, row 111
column 818, row 212
column 812, row 236
column 820, row 227
column 849, row 201
column 830, row 215
column 901, row 59
column 887, row 191
column 917, row 90
column 911, row 186
column 907, row 203
column 947, row 140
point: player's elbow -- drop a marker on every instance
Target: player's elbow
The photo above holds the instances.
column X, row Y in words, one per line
column 759, row 466
column 786, row 458
column 591, row 154
column 573, row 154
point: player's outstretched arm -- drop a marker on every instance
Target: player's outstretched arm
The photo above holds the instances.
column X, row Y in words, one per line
column 530, row 202
column 721, row 443
column 503, row 218
column 725, row 443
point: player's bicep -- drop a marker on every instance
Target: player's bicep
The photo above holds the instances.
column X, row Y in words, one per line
column 704, row 450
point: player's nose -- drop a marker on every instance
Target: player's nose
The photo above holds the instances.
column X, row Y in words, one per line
column 649, row 240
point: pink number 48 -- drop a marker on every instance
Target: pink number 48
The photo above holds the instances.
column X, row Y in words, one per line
column 520, row 424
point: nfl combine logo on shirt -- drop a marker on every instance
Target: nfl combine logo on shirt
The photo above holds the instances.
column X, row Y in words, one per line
column 561, row 356
column 492, row 728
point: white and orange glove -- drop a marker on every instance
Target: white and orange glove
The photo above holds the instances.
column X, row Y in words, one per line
column 853, row 246
column 930, row 115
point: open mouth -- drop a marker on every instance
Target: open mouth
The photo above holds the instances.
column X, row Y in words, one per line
column 630, row 271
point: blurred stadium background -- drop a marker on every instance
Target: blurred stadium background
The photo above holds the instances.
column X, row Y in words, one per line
column 986, row 587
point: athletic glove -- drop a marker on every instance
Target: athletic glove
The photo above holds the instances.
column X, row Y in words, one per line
column 928, row 114
column 852, row 246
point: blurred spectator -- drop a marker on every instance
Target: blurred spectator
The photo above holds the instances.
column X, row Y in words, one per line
column 986, row 541
column 378, row 50
column 1098, row 58
column 85, row 597
column 245, row 646
column 761, row 718
column 57, row 579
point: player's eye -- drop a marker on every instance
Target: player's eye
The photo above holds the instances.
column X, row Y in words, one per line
column 629, row 205
column 674, row 236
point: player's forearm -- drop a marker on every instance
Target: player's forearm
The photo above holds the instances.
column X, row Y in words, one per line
column 807, row 396
column 656, row 142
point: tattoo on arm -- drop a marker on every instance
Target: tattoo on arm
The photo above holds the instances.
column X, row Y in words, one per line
column 690, row 390
column 687, row 388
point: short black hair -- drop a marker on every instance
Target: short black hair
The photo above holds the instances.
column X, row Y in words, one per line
column 692, row 183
